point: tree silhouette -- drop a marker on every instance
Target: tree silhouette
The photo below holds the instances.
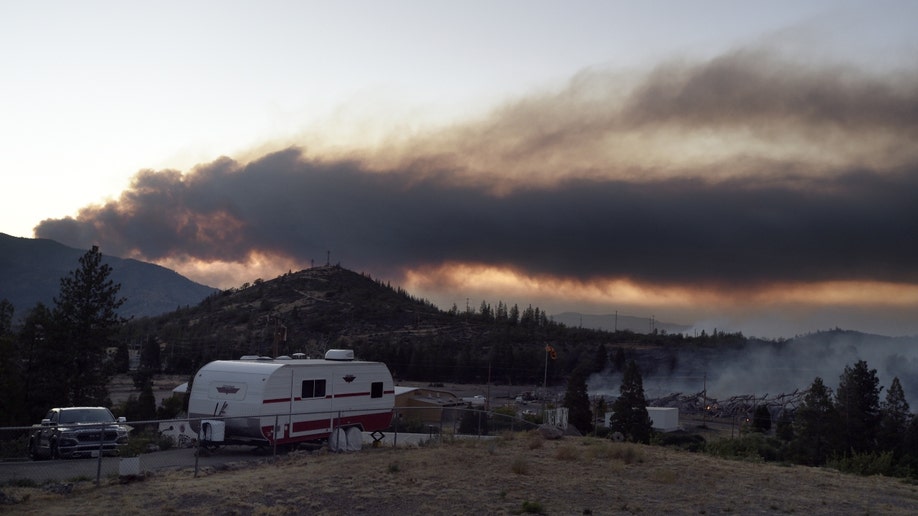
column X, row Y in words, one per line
column 85, row 319
column 601, row 360
column 150, row 362
column 858, row 403
column 894, row 420
column 761, row 419
column 629, row 411
column 816, row 426
column 577, row 401
column 11, row 405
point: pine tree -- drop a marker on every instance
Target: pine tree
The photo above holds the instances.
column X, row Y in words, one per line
column 150, row 357
column 858, row 403
column 910, row 446
column 37, row 357
column 629, row 411
column 86, row 319
column 619, row 360
column 761, row 419
column 11, row 403
column 601, row 360
column 894, row 420
column 146, row 402
column 577, row 401
column 817, row 429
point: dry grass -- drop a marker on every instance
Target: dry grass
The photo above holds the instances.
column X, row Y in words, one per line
column 507, row 476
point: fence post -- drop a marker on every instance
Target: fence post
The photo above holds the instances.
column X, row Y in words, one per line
column 99, row 462
column 395, row 437
column 197, row 448
column 274, row 436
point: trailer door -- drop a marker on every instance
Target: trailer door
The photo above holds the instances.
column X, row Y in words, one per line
column 277, row 405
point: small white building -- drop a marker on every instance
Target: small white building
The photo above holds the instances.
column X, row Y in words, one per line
column 662, row 419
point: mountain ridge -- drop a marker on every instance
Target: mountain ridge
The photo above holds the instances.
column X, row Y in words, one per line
column 31, row 270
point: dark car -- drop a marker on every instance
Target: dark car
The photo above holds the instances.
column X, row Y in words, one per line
column 77, row 432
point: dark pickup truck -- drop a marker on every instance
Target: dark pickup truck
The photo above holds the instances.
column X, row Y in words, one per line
column 77, row 432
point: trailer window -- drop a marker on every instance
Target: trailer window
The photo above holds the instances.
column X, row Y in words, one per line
column 313, row 389
column 376, row 390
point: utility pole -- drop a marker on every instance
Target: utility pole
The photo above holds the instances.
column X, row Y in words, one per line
column 545, row 385
column 704, row 414
column 488, row 398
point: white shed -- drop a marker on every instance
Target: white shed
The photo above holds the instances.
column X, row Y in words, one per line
column 664, row 419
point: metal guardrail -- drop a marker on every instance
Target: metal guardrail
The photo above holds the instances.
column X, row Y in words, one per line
column 173, row 445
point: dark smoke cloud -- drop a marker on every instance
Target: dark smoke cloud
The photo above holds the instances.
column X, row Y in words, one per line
column 766, row 218
column 860, row 225
column 754, row 89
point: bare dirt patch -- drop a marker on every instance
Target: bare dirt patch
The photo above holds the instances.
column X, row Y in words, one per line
column 510, row 475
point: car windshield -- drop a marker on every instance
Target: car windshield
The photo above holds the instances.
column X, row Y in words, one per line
column 86, row 415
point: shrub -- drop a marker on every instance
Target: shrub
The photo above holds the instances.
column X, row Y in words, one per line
column 532, row 508
column 752, row 446
column 688, row 442
column 536, row 442
column 520, row 466
column 567, row 452
column 627, row 453
column 868, row 463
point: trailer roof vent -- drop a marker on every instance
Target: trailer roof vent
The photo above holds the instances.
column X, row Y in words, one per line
column 339, row 354
column 282, row 357
column 248, row 357
column 299, row 356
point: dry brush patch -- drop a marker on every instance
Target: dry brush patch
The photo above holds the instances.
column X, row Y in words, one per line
column 504, row 476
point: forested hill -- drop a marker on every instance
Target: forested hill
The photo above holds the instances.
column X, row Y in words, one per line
column 328, row 307
column 331, row 307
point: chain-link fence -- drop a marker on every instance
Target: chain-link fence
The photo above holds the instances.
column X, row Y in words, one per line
column 192, row 444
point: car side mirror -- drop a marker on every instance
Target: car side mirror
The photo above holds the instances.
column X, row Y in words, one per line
column 45, row 422
column 122, row 419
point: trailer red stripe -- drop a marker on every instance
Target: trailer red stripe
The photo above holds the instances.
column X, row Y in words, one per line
column 351, row 394
column 305, row 426
column 328, row 397
column 369, row 422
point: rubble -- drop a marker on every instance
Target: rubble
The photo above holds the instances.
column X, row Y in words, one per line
column 736, row 406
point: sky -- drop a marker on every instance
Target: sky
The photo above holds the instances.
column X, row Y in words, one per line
column 738, row 166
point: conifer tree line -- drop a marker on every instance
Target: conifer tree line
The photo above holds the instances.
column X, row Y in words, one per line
column 62, row 354
column 852, row 428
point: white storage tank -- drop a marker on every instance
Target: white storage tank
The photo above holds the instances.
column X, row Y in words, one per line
column 664, row 419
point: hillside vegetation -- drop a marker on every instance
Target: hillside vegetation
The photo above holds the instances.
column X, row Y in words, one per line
column 321, row 308
column 515, row 474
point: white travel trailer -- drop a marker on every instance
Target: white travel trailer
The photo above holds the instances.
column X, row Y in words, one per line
column 264, row 401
